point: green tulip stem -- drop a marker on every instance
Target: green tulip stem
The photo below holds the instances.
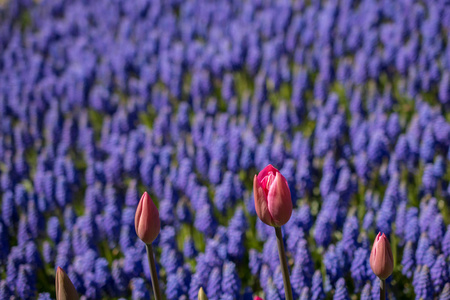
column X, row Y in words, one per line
column 154, row 275
column 284, row 266
column 382, row 289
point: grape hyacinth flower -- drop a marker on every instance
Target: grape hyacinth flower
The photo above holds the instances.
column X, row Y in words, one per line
column 446, row 243
column 408, row 262
column 138, row 289
column 147, row 226
column 304, row 295
column 422, row 248
column 445, row 292
column 439, row 273
column 317, row 286
column 44, row 296
column 381, row 261
column 423, row 288
column 359, row 268
column 333, row 266
column 231, row 284
column 273, row 205
column 26, row 282
column 341, row 291
column 366, row 292
column 213, row 286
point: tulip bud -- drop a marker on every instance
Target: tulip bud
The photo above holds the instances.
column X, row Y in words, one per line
column 273, row 202
column 201, row 294
column 146, row 220
column 257, row 298
column 381, row 260
column 64, row 287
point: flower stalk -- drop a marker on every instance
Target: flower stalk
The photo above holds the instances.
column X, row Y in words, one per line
column 382, row 289
column 153, row 274
column 284, row 266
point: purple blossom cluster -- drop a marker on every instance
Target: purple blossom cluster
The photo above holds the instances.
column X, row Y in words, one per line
column 102, row 100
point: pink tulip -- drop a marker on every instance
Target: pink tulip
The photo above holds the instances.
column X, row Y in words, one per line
column 381, row 260
column 257, row 298
column 65, row 290
column 146, row 220
column 273, row 202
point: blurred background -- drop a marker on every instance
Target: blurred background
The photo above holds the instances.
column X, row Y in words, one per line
column 188, row 100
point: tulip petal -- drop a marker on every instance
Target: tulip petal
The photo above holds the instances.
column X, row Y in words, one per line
column 65, row 290
column 279, row 201
column 138, row 214
column 261, row 202
column 264, row 172
column 388, row 246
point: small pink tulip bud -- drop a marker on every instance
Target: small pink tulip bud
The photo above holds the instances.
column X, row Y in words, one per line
column 146, row 220
column 201, row 294
column 257, row 298
column 64, row 286
column 273, row 202
column 381, row 260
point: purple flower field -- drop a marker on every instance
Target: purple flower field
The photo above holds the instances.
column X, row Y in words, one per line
column 188, row 100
